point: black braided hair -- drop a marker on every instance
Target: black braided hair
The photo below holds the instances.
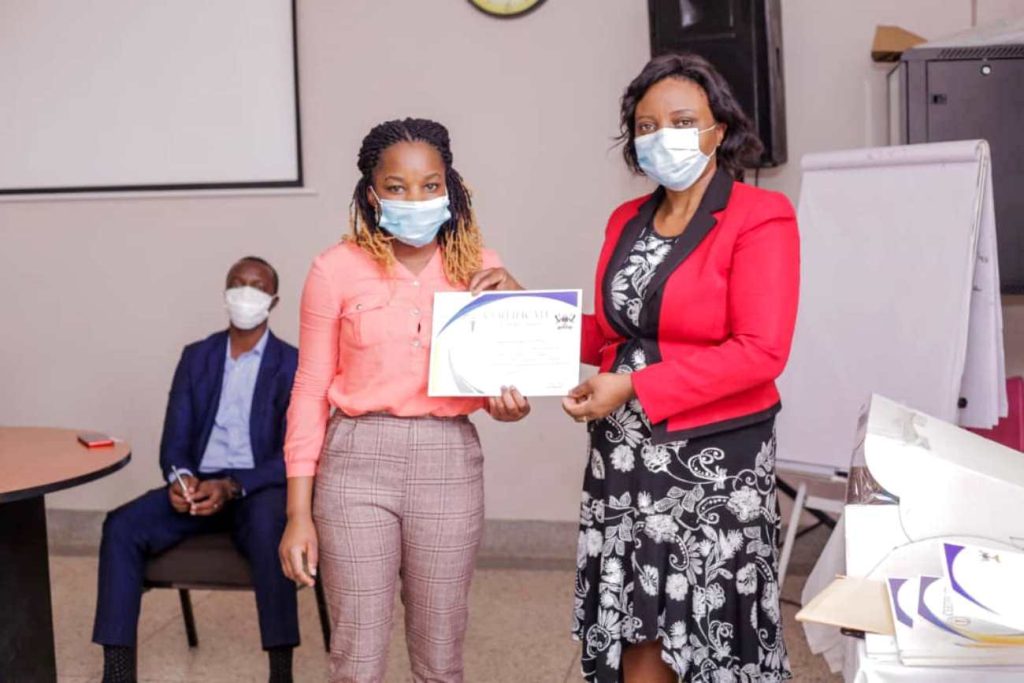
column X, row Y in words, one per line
column 459, row 237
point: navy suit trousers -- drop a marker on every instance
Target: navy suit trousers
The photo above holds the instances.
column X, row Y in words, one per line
column 149, row 525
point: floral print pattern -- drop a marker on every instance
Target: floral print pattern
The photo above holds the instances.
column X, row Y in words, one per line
column 630, row 282
column 678, row 542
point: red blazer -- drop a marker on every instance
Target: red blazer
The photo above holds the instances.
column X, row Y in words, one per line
column 718, row 315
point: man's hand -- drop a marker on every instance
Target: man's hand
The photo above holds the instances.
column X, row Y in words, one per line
column 210, row 497
column 511, row 406
column 599, row 396
column 493, row 278
column 179, row 502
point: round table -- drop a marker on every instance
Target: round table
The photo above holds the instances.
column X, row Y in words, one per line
column 35, row 461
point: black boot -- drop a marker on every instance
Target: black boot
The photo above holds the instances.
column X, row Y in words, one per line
column 118, row 664
column 280, row 664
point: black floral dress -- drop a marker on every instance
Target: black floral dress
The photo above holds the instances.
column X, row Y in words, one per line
column 678, row 541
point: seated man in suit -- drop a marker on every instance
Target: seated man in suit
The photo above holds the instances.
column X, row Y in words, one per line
column 223, row 434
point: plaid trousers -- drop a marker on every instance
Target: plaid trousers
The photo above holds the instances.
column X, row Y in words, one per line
column 398, row 496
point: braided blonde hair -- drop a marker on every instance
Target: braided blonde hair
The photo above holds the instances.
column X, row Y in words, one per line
column 460, row 239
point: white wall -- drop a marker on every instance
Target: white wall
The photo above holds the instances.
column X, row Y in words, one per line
column 101, row 294
column 835, row 95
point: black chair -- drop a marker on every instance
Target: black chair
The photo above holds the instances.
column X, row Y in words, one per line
column 210, row 562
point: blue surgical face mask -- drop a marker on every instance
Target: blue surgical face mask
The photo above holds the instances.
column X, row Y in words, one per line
column 413, row 223
column 671, row 156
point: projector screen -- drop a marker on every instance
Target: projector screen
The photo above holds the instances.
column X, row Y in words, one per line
column 116, row 95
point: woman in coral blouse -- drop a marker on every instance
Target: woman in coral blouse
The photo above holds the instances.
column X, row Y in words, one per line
column 398, row 475
column 694, row 313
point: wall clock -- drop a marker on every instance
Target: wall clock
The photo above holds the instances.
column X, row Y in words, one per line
column 506, row 8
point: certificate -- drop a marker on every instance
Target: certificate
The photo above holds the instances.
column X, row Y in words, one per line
column 529, row 340
column 986, row 585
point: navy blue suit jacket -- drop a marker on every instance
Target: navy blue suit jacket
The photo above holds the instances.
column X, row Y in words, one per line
column 195, row 397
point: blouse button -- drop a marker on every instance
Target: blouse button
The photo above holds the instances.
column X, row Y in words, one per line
column 415, row 283
column 415, row 312
column 416, row 343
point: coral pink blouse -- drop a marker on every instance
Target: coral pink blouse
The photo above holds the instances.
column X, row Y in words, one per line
column 364, row 347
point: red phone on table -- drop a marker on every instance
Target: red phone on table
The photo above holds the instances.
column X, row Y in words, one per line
column 95, row 440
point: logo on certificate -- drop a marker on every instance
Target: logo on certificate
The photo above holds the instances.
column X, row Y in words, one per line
column 565, row 322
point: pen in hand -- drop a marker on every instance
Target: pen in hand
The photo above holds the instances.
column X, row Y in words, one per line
column 181, row 483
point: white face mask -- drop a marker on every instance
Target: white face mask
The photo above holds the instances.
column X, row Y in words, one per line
column 247, row 306
column 672, row 156
column 414, row 223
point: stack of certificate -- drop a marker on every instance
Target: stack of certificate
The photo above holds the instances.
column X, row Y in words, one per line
column 971, row 616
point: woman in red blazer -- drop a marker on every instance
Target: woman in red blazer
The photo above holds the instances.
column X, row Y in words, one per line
column 696, row 301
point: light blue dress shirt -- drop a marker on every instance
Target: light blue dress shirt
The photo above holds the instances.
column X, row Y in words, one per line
column 229, row 447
